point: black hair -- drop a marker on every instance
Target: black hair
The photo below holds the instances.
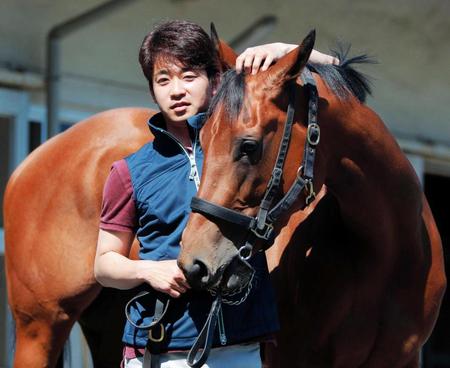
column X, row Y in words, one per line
column 181, row 41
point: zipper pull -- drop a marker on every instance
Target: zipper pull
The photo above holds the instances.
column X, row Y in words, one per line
column 193, row 171
column 193, row 175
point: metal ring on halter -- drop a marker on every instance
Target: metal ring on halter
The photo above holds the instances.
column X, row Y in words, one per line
column 247, row 248
column 313, row 127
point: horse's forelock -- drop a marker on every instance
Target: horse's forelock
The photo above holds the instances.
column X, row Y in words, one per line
column 229, row 95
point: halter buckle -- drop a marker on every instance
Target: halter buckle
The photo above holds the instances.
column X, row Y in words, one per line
column 265, row 233
column 313, row 134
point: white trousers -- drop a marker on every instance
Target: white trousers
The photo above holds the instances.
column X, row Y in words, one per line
column 234, row 356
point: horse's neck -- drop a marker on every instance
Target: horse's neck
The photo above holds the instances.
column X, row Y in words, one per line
column 364, row 164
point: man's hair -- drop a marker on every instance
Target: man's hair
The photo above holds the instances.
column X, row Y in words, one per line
column 179, row 41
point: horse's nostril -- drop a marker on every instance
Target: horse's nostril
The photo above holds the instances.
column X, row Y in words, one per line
column 198, row 274
column 200, row 270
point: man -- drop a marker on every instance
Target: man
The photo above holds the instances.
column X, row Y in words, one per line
column 147, row 195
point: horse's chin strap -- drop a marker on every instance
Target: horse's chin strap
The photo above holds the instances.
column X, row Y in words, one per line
column 261, row 226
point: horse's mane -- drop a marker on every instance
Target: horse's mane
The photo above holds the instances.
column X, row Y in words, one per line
column 342, row 79
column 231, row 91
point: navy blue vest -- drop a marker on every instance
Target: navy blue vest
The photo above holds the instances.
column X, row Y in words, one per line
column 163, row 187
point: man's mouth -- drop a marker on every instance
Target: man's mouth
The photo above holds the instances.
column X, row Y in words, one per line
column 179, row 106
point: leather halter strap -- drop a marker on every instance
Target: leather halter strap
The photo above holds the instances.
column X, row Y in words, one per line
column 261, row 226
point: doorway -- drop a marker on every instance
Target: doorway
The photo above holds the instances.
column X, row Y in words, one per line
column 437, row 349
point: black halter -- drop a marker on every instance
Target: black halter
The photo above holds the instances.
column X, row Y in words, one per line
column 261, row 226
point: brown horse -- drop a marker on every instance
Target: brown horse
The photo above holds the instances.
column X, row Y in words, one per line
column 52, row 207
column 361, row 281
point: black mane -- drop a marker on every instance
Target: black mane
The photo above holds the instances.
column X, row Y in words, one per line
column 342, row 79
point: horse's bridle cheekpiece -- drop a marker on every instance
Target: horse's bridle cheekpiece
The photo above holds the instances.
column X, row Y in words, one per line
column 261, row 226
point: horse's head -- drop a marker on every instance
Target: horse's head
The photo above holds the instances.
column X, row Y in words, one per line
column 241, row 139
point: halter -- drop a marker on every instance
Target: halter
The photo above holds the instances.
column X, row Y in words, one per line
column 261, row 226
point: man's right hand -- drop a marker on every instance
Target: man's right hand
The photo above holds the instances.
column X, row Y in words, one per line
column 164, row 276
column 114, row 269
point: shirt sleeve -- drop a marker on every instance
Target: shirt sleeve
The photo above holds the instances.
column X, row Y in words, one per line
column 118, row 206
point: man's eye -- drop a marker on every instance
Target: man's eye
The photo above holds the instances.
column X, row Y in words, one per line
column 162, row 81
column 189, row 77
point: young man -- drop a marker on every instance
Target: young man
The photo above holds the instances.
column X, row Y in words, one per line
column 147, row 195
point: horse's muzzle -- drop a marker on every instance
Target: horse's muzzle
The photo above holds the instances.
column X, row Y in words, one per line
column 229, row 277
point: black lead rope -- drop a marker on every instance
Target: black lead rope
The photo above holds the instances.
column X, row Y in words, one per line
column 154, row 343
column 160, row 310
column 199, row 352
column 205, row 338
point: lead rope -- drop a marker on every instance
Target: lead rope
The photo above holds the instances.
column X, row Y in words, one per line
column 204, row 340
column 151, row 359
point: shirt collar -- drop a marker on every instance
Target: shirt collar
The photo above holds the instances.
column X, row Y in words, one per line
column 157, row 122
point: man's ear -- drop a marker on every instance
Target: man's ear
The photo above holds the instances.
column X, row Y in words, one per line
column 227, row 56
column 215, row 84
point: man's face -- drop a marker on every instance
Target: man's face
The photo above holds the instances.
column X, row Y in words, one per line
column 179, row 92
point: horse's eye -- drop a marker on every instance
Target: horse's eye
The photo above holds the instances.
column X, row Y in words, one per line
column 249, row 146
column 249, row 149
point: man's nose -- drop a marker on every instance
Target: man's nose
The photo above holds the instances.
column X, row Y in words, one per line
column 178, row 88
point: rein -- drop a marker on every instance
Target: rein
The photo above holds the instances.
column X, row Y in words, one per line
column 261, row 225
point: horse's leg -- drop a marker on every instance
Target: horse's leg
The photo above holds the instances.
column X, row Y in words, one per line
column 43, row 315
column 40, row 343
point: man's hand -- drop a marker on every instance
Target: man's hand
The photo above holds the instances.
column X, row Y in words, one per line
column 164, row 276
column 259, row 58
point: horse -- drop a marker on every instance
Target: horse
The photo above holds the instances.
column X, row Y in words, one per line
column 360, row 280
column 52, row 206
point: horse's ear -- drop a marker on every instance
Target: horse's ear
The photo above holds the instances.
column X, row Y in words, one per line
column 291, row 65
column 227, row 56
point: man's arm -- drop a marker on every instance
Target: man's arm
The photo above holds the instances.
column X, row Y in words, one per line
column 259, row 58
column 112, row 268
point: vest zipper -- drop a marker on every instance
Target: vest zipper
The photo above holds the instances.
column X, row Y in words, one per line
column 193, row 175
